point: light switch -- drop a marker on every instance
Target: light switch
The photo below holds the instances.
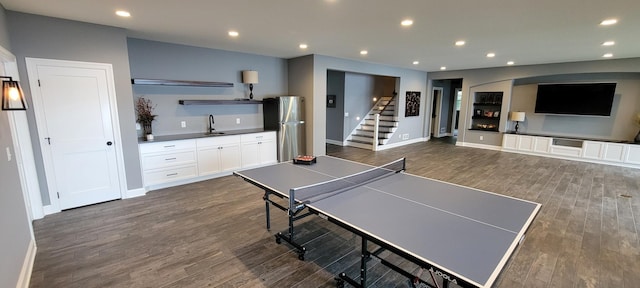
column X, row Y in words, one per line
column 183, row 124
column 9, row 156
column 237, row 120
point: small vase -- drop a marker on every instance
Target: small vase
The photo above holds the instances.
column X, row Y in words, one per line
column 146, row 128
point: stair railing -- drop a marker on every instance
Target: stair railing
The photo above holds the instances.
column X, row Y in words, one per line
column 376, row 123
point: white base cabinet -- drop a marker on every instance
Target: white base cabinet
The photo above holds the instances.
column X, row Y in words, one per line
column 218, row 154
column 170, row 163
column 613, row 153
column 259, row 149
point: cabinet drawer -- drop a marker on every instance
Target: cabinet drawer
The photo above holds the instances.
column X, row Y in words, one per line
column 566, row 151
column 216, row 141
column 168, row 159
column 167, row 146
column 168, row 175
column 258, row 137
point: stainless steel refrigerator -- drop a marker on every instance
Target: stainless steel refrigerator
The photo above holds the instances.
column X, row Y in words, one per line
column 285, row 114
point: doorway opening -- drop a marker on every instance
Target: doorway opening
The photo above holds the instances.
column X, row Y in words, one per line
column 447, row 102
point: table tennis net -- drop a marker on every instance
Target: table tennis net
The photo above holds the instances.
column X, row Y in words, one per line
column 319, row 191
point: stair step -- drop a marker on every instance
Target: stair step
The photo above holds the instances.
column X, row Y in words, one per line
column 368, row 136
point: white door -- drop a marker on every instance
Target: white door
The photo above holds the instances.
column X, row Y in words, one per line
column 74, row 119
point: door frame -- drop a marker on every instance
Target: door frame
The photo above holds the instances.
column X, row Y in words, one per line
column 437, row 120
column 22, row 145
column 453, row 110
column 38, row 108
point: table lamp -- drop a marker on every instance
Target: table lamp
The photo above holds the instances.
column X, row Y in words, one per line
column 250, row 77
column 517, row 116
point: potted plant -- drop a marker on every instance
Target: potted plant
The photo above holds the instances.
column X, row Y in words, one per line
column 144, row 109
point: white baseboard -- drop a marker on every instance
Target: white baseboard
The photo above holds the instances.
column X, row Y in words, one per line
column 135, row 193
column 27, row 266
column 335, row 142
column 481, row 146
column 48, row 210
column 403, row 143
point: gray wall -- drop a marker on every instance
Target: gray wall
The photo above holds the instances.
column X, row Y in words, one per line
column 16, row 231
column 483, row 78
column 619, row 126
column 312, row 70
column 301, row 83
column 4, row 31
column 358, row 95
column 159, row 60
column 335, row 116
column 52, row 38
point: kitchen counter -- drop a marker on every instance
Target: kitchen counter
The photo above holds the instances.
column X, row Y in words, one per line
column 162, row 138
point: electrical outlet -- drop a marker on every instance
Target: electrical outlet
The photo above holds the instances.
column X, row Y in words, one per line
column 481, row 138
column 237, row 120
column 183, row 124
column 405, row 136
column 346, row 114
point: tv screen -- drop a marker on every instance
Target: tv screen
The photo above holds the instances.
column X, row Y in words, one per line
column 595, row 99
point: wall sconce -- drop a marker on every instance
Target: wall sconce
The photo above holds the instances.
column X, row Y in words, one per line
column 518, row 117
column 250, row 77
column 12, row 96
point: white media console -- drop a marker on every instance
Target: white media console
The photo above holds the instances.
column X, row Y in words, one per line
column 612, row 153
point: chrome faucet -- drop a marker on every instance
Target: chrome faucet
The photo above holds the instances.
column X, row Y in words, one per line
column 211, row 122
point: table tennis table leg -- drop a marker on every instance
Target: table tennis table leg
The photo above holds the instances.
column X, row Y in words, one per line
column 364, row 258
column 266, row 206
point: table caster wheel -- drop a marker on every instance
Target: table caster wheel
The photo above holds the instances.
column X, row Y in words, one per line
column 278, row 240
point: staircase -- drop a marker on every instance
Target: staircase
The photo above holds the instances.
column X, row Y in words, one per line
column 363, row 135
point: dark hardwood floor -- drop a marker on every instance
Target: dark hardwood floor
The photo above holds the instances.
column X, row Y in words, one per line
column 212, row 233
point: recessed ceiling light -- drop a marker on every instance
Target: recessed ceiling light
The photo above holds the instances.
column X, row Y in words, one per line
column 233, row 33
column 607, row 55
column 364, row 52
column 406, row 22
column 608, row 22
column 416, row 62
column 609, row 43
column 123, row 13
column 303, row 46
column 511, row 63
column 443, row 68
column 460, row 43
column 491, row 55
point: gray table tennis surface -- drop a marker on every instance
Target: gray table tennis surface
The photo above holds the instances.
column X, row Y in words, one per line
column 465, row 232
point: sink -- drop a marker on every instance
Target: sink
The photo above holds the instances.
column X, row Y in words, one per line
column 213, row 133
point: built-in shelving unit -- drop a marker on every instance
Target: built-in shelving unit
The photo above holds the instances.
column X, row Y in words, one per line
column 164, row 82
column 218, row 102
column 486, row 111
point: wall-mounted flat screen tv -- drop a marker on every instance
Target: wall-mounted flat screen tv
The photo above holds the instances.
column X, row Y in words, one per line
column 593, row 99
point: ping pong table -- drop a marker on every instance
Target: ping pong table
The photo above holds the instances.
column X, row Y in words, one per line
column 460, row 234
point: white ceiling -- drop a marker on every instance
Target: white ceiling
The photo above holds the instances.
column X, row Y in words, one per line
column 524, row 31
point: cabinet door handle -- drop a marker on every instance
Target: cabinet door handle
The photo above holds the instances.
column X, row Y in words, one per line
column 169, row 159
column 169, row 146
column 172, row 174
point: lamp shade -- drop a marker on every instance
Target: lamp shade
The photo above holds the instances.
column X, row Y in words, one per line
column 517, row 116
column 250, row 77
column 12, row 96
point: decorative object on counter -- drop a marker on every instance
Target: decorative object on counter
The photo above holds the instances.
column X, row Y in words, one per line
column 12, row 96
column 637, row 139
column 304, row 159
column 517, row 117
column 250, row 77
column 144, row 109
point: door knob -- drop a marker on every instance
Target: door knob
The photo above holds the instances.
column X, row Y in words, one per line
column 109, row 143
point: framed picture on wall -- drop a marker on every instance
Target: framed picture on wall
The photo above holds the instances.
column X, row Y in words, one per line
column 331, row 101
column 413, row 104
